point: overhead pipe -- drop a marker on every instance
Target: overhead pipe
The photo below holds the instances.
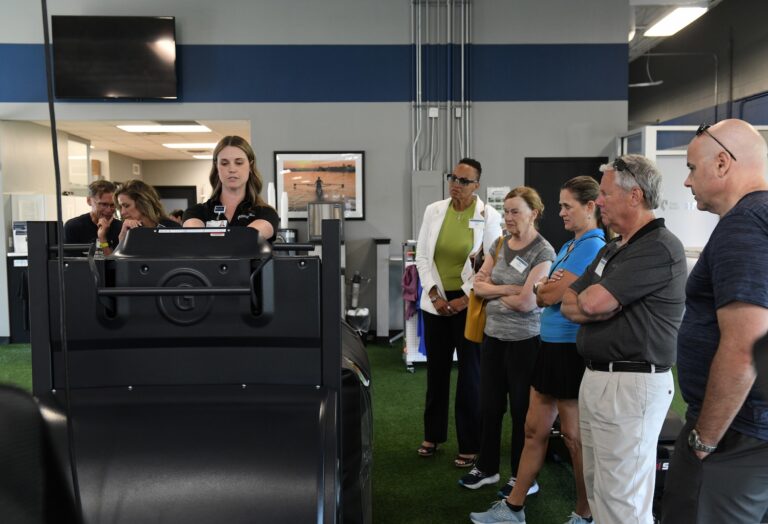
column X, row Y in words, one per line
column 468, row 120
column 449, row 85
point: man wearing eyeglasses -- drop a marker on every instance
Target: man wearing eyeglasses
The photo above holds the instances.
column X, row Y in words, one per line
column 719, row 472
column 100, row 224
column 629, row 303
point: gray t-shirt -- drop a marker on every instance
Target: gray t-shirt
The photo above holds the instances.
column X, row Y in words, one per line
column 647, row 276
column 513, row 267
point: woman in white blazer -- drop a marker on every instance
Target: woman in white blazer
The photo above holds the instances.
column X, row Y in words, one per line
column 452, row 233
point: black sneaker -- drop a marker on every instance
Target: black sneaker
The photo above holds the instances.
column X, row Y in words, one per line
column 476, row 478
column 507, row 488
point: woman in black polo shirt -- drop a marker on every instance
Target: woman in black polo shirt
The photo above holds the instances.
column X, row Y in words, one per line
column 236, row 188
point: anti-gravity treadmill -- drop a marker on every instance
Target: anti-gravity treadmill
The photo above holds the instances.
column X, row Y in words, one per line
column 204, row 377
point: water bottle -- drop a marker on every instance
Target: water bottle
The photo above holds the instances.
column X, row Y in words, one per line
column 355, row 289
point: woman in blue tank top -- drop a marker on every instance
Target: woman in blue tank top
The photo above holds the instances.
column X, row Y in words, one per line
column 559, row 367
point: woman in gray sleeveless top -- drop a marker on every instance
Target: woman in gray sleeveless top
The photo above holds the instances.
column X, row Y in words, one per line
column 512, row 330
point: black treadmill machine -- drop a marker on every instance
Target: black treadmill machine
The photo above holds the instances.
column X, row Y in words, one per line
column 205, row 379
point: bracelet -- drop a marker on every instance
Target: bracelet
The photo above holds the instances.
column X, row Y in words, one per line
column 434, row 299
column 102, row 245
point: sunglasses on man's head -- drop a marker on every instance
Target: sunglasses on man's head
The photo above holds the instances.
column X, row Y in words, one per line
column 450, row 177
column 620, row 165
column 703, row 128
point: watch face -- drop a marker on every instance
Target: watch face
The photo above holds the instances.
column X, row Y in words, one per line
column 692, row 438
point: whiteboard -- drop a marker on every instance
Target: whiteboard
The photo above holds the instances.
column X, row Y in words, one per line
column 678, row 207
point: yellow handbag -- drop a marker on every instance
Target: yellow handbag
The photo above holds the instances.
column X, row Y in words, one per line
column 473, row 329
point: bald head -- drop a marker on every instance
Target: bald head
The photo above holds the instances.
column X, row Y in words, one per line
column 726, row 161
column 744, row 141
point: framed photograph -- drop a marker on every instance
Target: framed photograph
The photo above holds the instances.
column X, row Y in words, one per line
column 321, row 177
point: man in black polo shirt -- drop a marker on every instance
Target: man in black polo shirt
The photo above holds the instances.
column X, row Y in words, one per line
column 629, row 302
column 100, row 224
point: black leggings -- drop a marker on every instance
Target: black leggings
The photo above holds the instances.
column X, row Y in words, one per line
column 506, row 368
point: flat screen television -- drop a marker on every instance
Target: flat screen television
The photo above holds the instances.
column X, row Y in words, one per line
column 131, row 57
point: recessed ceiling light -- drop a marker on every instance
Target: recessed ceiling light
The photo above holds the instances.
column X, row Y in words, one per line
column 191, row 145
column 158, row 128
column 203, row 157
column 675, row 21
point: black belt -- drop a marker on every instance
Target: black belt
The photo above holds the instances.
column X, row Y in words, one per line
column 626, row 366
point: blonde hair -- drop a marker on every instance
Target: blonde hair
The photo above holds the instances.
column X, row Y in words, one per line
column 144, row 197
column 532, row 198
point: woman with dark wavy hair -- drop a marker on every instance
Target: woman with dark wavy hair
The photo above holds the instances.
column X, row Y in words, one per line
column 236, row 198
column 139, row 206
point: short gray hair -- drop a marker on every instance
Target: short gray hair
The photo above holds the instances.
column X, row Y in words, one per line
column 640, row 172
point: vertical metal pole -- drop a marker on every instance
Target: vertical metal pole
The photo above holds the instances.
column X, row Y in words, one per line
column 468, row 120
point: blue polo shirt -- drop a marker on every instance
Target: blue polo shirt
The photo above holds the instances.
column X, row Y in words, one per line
column 554, row 326
column 732, row 268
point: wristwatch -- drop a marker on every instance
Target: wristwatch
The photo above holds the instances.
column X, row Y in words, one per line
column 434, row 299
column 695, row 442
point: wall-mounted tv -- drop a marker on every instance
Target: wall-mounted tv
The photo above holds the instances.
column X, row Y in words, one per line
column 131, row 57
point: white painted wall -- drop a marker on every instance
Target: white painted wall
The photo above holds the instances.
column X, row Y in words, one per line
column 121, row 167
column 180, row 173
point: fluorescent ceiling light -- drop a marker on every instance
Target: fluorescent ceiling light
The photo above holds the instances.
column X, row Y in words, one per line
column 675, row 21
column 203, row 157
column 192, row 145
column 165, row 129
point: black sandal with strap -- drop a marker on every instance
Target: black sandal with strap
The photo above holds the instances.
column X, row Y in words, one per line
column 427, row 451
column 464, row 462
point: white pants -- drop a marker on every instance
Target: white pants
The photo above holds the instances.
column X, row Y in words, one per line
column 620, row 416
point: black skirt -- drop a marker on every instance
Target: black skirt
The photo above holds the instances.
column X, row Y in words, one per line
column 558, row 370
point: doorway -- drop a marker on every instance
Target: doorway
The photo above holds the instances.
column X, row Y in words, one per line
column 547, row 176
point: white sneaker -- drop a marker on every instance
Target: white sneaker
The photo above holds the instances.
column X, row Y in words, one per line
column 575, row 518
column 507, row 489
column 498, row 514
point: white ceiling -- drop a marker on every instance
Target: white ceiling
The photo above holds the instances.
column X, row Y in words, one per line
column 105, row 135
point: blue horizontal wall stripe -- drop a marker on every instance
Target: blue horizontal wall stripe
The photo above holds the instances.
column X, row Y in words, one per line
column 22, row 73
column 363, row 73
column 296, row 73
column 549, row 72
column 753, row 109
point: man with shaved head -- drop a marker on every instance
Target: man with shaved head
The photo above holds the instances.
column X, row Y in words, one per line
column 719, row 472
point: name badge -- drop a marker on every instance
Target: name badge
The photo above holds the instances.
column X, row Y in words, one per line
column 219, row 209
column 519, row 264
column 476, row 223
column 216, row 223
column 600, row 267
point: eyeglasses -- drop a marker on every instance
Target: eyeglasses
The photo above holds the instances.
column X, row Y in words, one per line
column 703, row 129
column 450, row 177
column 620, row 165
column 105, row 204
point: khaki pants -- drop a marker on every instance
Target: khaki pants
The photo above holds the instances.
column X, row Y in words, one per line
column 620, row 416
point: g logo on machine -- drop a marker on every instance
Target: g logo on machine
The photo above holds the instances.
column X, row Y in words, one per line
column 184, row 310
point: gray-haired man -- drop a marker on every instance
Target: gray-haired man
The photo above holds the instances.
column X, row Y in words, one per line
column 629, row 302
column 100, row 223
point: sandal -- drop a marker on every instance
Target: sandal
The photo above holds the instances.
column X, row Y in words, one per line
column 427, row 451
column 464, row 462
